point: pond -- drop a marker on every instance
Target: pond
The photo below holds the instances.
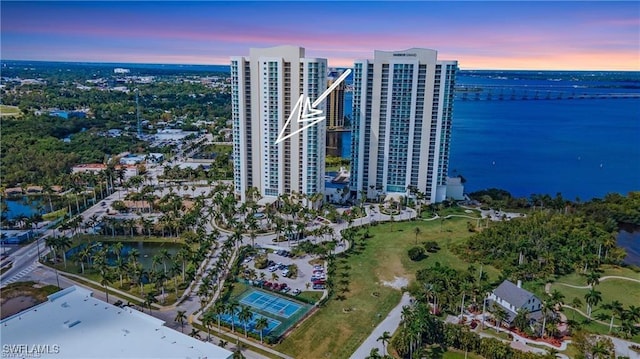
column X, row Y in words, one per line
column 15, row 208
column 629, row 239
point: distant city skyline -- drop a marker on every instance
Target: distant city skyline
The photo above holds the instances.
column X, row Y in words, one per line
column 543, row 35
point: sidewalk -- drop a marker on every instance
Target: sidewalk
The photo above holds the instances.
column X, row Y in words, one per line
column 389, row 324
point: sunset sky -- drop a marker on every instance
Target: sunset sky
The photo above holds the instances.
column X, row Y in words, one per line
column 480, row 35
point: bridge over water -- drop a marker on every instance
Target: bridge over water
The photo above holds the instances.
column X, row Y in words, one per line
column 518, row 94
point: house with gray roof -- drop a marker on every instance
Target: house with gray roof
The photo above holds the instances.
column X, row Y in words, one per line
column 513, row 297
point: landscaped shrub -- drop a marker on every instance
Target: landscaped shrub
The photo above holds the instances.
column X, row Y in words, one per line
column 431, row 246
column 416, row 253
column 261, row 261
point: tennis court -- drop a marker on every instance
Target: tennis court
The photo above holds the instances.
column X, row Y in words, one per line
column 271, row 304
column 251, row 325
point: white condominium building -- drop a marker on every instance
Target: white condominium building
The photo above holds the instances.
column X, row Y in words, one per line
column 265, row 88
column 401, row 128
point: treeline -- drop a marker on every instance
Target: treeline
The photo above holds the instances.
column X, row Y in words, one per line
column 614, row 206
column 33, row 150
column 577, row 237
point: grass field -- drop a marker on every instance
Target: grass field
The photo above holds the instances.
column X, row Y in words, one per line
column 337, row 329
column 9, row 111
column 626, row 292
column 608, row 270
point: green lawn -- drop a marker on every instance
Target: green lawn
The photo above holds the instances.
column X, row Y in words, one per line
column 338, row 328
column 627, row 292
column 608, row 270
column 310, row 295
column 9, row 110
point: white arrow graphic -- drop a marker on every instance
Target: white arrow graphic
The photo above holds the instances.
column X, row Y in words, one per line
column 306, row 112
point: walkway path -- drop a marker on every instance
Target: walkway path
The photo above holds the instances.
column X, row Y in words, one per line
column 389, row 324
column 601, row 280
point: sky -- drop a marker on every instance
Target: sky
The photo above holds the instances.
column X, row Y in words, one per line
column 544, row 35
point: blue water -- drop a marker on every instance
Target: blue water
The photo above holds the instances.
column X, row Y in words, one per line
column 582, row 148
column 18, row 208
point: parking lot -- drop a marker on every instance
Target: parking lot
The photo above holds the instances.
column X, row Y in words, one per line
column 279, row 261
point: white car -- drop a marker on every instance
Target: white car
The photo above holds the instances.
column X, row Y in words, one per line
column 273, row 269
column 285, row 272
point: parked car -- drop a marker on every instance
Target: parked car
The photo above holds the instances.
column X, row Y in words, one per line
column 273, row 268
column 318, row 286
column 296, row 291
column 285, row 272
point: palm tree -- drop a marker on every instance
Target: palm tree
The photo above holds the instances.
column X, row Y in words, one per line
column 149, row 300
column 84, row 254
column 599, row 350
column 180, row 318
column 195, row 333
column 616, row 311
column 261, row 324
column 593, row 278
column 164, row 256
column 245, row 316
column 207, row 319
column 374, row 354
column 64, row 243
column 231, row 309
column 499, row 314
column 546, row 306
column 384, row 338
column 116, row 248
column 417, row 233
column 218, row 310
column 593, row 297
column 106, row 279
column 521, row 320
column 576, row 303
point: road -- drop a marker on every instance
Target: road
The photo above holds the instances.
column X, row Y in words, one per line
column 25, row 259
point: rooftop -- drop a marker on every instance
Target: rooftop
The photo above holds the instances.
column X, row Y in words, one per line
column 75, row 325
column 512, row 294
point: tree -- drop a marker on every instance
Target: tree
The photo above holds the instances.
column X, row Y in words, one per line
column 106, row 279
column 384, row 338
column 261, row 324
column 231, row 310
column 180, row 318
column 207, row 319
column 149, row 300
column 616, row 311
column 576, row 303
column 416, row 253
column 218, row 309
column 593, row 297
column 417, row 232
column 500, row 314
column 374, row 354
column 521, row 320
column 547, row 306
column 245, row 317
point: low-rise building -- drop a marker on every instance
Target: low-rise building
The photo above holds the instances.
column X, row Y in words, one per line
column 73, row 324
column 512, row 297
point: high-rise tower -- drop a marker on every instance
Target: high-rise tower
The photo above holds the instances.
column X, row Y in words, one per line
column 335, row 101
column 265, row 87
column 401, row 128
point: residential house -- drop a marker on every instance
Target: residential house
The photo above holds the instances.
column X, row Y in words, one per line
column 513, row 297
